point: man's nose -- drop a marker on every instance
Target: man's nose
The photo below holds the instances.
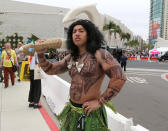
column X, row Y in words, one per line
column 77, row 33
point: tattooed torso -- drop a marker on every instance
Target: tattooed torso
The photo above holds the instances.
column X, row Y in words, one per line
column 83, row 85
column 86, row 83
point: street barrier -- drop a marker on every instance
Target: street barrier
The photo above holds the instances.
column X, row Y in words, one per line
column 132, row 58
column 154, row 59
column 144, row 58
column 56, row 92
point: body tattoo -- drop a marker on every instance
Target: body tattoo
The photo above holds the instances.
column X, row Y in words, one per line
column 115, row 72
column 50, row 68
column 111, row 92
column 116, row 75
column 76, row 87
column 89, row 73
column 88, row 82
column 107, row 57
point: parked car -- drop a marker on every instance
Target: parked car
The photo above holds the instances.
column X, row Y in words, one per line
column 164, row 57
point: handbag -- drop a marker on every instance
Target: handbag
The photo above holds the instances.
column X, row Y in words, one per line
column 38, row 73
column 14, row 67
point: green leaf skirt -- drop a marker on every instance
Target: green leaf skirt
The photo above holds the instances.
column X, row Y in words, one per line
column 96, row 121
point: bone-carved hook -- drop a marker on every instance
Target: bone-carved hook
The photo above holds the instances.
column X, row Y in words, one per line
column 91, row 12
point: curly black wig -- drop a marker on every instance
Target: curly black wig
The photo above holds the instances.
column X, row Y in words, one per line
column 95, row 38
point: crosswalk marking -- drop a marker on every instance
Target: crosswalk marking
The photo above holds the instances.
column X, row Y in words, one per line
column 129, row 80
column 134, row 75
column 143, row 73
column 137, row 80
column 149, row 70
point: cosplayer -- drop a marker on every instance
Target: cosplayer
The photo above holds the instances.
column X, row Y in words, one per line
column 87, row 65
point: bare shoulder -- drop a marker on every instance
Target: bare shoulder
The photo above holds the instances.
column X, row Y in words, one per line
column 102, row 55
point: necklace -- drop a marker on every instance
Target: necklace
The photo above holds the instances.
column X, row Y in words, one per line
column 79, row 65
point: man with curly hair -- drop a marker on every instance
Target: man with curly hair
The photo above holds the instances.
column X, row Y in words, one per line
column 87, row 64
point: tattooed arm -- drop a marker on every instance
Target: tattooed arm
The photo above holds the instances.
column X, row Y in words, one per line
column 112, row 68
column 51, row 69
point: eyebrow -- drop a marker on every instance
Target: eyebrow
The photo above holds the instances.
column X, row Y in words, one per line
column 81, row 28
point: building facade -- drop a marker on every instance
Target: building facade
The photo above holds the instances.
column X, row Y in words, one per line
column 115, row 41
column 42, row 21
column 158, row 20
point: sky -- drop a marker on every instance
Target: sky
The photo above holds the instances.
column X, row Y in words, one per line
column 133, row 13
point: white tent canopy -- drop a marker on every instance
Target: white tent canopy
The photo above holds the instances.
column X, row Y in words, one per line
column 162, row 50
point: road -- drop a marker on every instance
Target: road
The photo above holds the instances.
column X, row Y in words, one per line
column 144, row 97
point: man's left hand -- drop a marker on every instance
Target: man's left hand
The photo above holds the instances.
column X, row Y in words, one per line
column 90, row 106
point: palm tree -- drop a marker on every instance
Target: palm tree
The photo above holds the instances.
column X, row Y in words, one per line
column 126, row 44
column 134, row 44
column 117, row 29
column 112, row 28
column 128, row 36
column 123, row 36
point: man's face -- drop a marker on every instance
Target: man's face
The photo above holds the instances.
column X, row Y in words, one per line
column 8, row 45
column 19, row 44
column 79, row 36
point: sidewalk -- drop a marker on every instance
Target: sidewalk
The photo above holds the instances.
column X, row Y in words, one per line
column 15, row 115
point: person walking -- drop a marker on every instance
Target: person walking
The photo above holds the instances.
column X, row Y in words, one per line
column 8, row 59
column 123, row 61
column 20, row 58
column 1, row 75
column 87, row 64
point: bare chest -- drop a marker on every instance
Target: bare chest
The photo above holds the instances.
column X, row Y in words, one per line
column 89, row 68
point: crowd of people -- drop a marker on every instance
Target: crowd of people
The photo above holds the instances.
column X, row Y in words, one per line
column 56, row 55
column 10, row 57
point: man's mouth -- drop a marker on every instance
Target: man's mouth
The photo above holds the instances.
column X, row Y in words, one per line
column 77, row 39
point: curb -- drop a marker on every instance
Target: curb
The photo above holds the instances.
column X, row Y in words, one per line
column 49, row 121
